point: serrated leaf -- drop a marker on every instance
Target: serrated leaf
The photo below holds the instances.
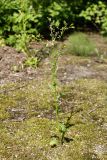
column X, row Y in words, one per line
column 62, row 127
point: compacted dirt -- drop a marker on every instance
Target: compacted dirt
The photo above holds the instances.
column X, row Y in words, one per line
column 69, row 67
column 8, row 59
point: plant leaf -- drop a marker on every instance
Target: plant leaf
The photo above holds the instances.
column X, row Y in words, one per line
column 53, row 142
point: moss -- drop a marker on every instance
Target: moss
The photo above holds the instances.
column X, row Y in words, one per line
column 31, row 99
column 25, row 139
column 29, row 138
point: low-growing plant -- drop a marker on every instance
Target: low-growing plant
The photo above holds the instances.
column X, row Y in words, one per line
column 31, row 62
column 79, row 44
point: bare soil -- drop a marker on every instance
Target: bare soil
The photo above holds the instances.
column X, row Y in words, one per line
column 70, row 67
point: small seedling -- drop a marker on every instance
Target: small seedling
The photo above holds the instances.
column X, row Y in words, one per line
column 54, row 141
column 16, row 68
column 31, row 62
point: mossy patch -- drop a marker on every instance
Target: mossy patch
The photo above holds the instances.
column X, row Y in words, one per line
column 26, row 127
column 30, row 98
column 25, row 140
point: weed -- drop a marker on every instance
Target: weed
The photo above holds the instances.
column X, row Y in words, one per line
column 62, row 127
column 31, row 62
column 80, row 45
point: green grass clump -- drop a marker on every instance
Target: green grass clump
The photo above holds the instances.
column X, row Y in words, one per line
column 79, row 44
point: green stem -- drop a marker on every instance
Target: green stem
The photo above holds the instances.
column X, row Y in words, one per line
column 62, row 137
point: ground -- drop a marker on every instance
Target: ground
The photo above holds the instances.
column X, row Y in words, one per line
column 27, row 117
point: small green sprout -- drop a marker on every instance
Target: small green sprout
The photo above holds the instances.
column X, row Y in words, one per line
column 31, row 62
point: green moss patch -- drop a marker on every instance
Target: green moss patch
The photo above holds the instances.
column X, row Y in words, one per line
column 26, row 123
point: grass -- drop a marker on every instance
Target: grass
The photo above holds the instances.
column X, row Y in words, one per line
column 79, row 44
column 29, row 138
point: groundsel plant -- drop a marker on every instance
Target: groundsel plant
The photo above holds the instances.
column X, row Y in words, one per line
column 56, row 35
